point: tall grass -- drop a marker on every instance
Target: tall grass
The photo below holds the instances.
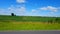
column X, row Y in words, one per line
column 29, row 23
column 28, row 18
column 29, row 26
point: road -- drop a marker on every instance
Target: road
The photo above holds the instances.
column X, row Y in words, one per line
column 29, row 32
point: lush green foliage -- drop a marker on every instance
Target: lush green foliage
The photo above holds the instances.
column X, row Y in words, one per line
column 29, row 18
column 28, row 26
column 29, row 23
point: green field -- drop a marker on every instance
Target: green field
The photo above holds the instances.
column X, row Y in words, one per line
column 29, row 23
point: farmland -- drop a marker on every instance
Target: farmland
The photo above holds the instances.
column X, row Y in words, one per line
column 29, row 23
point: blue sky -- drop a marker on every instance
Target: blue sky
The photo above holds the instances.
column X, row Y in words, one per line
column 30, row 7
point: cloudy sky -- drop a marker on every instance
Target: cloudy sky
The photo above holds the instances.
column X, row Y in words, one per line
column 30, row 7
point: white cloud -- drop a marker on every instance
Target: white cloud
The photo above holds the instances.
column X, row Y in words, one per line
column 20, row 1
column 5, row 11
column 54, row 9
column 43, row 8
column 22, row 9
column 17, row 9
column 12, row 9
column 33, row 10
column 50, row 10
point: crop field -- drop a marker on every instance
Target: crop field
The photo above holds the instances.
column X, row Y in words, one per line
column 29, row 23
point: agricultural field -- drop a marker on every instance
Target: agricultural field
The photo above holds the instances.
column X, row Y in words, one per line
column 29, row 23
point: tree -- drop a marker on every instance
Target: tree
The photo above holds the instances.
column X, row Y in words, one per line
column 57, row 20
column 50, row 21
column 12, row 14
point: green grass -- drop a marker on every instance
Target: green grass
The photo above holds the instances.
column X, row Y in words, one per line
column 27, row 18
column 28, row 23
column 29, row 26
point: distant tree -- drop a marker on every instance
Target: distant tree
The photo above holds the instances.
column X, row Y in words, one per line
column 57, row 20
column 12, row 14
column 50, row 21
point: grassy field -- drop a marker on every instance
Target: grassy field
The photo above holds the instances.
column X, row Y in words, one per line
column 28, row 23
column 29, row 26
